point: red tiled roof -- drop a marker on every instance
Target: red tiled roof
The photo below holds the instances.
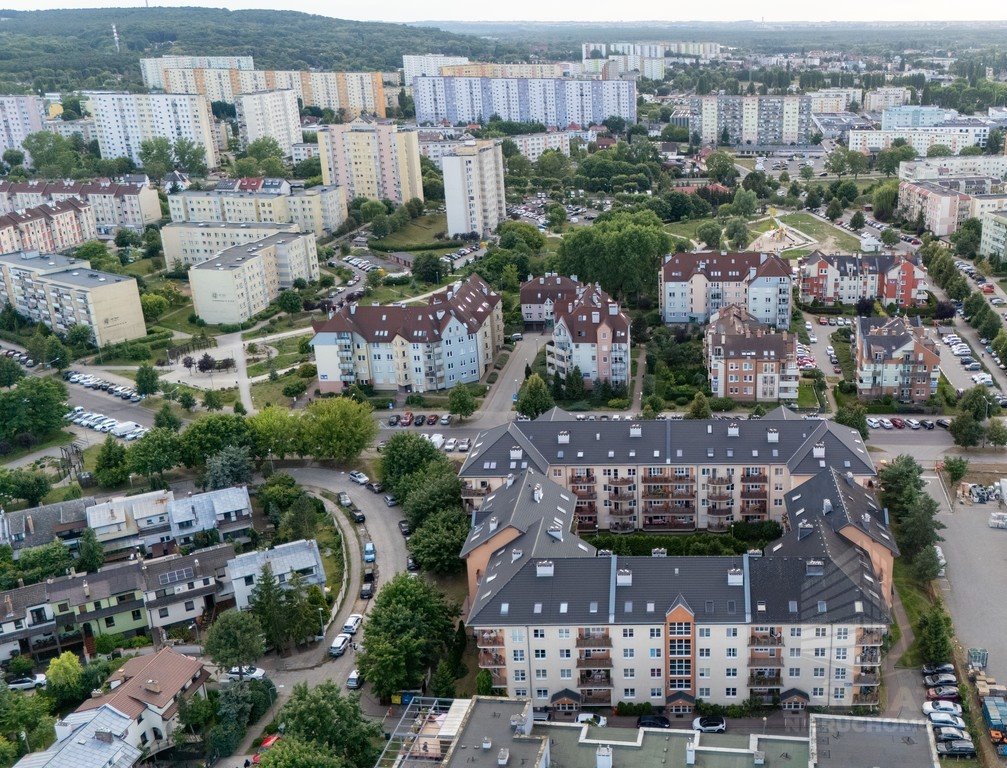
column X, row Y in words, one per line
column 732, row 267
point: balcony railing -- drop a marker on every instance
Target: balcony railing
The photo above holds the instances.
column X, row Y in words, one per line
column 765, row 639
column 721, row 511
column 718, row 526
column 655, row 493
column 474, row 493
column 622, row 496
column 765, row 662
column 869, row 658
column 595, row 662
column 622, row 526
column 621, row 512
column 869, row 697
column 754, row 493
column 719, row 495
column 489, row 659
column 620, row 480
column 866, row 680
column 870, row 637
column 585, row 495
column 668, row 524
column 765, row 681
column 490, row 640
column 587, row 523
column 657, row 480
column 720, row 480
column 753, row 509
column 680, row 494
column 593, row 641
column 499, row 678
column 594, row 680
column 756, row 478
column 583, row 479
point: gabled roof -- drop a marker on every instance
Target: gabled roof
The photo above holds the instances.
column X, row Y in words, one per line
column 887, row 337
column 81, row 747
column 34, row 527
column 551, row 287
column 739, row 334
column 857, row 264
column 723, row 266
column 172, row 569
column 588, row 313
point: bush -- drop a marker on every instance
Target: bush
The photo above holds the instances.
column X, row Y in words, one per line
column 416, row 400
column 307, row 371
column 628, row 709
column 501, row 362
column 492, row 378
column 721, row 404
column 619, row 403
column 105, row 644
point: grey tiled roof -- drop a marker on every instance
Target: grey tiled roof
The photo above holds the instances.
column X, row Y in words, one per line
column 83, row 749
column 34, row 527
column 204, row 562
column 688, row 441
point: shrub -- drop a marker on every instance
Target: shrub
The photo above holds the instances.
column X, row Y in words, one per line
column 492, row 378
column 307, row 371
column 721, row 404
column 629, row 709
column 619, row 403
column 416, row 400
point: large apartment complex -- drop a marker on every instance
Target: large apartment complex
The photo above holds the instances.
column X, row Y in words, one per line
column 666, row 475
column 427, row 65
column 839, row 278
column 49, row 227
column 371, row 159
column 945, row 203
column 241, row 281
column 695, row 285
column 152, row 69
column 831, row 100
column 897, row 357
column 62, row 292
column 317, row 210
column 123, row 121
column 474, row 187
column 191, row 242
column 269, row 114
column 888, row 96
column 749, row 361
column 19, row 117
column 591, row 334
column 114, row 205
column 936, row 168
column 800, row 624
column 956, row 133
column 554, row 102
column 453, row 339
column 436, row 144
column 751, row 120
column 915, row 116
column 994, row 235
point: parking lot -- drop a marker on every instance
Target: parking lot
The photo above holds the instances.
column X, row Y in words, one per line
column 533, row 211
column 112, row 409
column 821, row 335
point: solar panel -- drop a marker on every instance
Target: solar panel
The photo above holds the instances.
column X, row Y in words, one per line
column 173, row 577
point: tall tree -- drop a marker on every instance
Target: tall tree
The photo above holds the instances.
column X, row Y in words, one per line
column 699, row 408
column 229, row 467
column 534, row 398
column 90, row 552
column 339, row 428
column 266, row 604
column 111, row 467
column 437, row 542
column 147, row 382
column 155, row 156
column 461, row 402
column 325, row 715
column 234, row 639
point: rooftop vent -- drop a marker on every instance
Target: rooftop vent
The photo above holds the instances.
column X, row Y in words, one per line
column 659, row 552
column 603, row 756
column 556, row 532
column 516, row 453
column 563, row 438
column 733, row 430
column 773, row 435
column 624, row 578
column 503, row 756
column 815, row 567
column 494, row 523
column 545, row 568
column 804, row 529
column 826, row 506
column 487, row 742
column 735, row 577
column 636, row 431
column 604, row 553
column 818, row 452
column 515, row 555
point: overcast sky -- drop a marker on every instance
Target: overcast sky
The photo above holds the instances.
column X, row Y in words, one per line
column 594, row 10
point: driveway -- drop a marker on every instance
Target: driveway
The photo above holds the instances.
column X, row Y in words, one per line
column 496, row 408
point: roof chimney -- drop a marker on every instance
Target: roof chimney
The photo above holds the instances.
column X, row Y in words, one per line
column 735, row 577
column 515, row 555
column 603, row 756
column 624, row 578
column 818, row 452
column 659, row 552
column 733, row 430
column 494, row 523
column 510, row 479
column 804, row 529
column 536, row 493
column 545, row 568
column 29, row 524
column 826, row 506
column 87, row 589
column 772, row 435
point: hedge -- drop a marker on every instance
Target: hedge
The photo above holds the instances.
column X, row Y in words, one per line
column 374, row 245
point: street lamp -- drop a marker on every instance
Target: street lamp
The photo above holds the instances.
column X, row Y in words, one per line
column 194, row 627
column 321, row 622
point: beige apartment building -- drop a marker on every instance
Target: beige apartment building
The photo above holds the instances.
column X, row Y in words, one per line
column 115, row 206
column 474, row 187
column 370, row 159
column 494, row 69
column 192, row 242
column 63, row 292
column 317, row 210
column 897, row 357
column 272, row 114
column 571, row 627
column 666, row 475
column 749, row 361
column 48, row 227
column 241, row 281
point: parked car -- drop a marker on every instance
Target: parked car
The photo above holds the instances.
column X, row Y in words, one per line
column 370, row 553
column 357, row 515
column 420, row 420
column 712, row 724
column 359, row 477
column 366, row 591
column 956, row 749
column 246, row 673
column 463, row 445
column 946, row 720
column 653, row 721
column 944, row 423
column 374, row 487
column 943, row 693
column 404, row 528
column 411, row 564
column 932, row 681
column 354, row 680
column 339, row 645
column 446, row 419
column 948, row 707
column 938, row 669
column 450, row 444
column 353, row 622
column 393, row 420
column 589, row 718
column 28, row 683
column 898, row 423
column 927, row 424
column 407, row 419
column 390, row 500
column 344, row 499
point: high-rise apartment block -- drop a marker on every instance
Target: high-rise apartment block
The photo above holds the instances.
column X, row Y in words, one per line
column 835, row 99
column 889, row 96
column 371, row 159
column 751, row 120
column 19, row 117
column 945, row 204
column 152, row 69
column 191, row 242
column 552, row 102
column 272, row 114
column 937, row 168
column 115, row 206
column 474, row 187
column 994, row 236
column 956, row 134
column 427, row 65
column 62, row 292
column 123, row 121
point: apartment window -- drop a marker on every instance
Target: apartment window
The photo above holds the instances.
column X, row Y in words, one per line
column 730, row 693
column 249, row 580
column 819, row 672
column 564, row 653
column 190, row 605
column 840, row 673
column 137, row 615
column 732, row 653
column 704, row 653
column 162, row 613
column 843, row 633
column 819, row 653
column 841, row 654
column 110, row 621
column 818, row 692
column 517, row 636
column 628, row 653
column 521, row 693
column 541, row 674
column 538, row 634
column 795, row 631
column 627, row 633
column 629, row 672
column 540, row 653
column 655, row 672
column 520, row 675
column 732, row 631
column 629, row 693
column 703, row 693
column 541, row 693
column 518, row 654
column 821, row 632
column 656, row 693
column 565, row 674
column 655, row 632
column 838, row 693
column 564, row 634
column 731, row 672
column 795, row 653
column 704, row 631
column 794, row 672
column 679, row 628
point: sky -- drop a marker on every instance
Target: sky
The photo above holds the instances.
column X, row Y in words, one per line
column 591, row 10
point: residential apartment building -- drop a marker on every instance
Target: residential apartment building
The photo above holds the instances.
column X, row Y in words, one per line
column 915, row 116
column 749, row 361
column 150, row 690
column 454, row 339
column 540, row 296
column 123, row 121
column 180, row 590
column 666, row 475
column 839, row 278
column 349, row 94
column 48, row 227
column 695, row 285
column 798, row 625
column 474, row 187
column 896, row 357
column 935, row 168
column 114, row 205
column 70, row 128
column 295, row 557
column 370, row 159
column 590, row 334
column 435, row 144
column 835, row 99
column 152, row 69
column 494, row 69
column 269, row 114
column 888, row 96
column 427, row 65
column 751, row 120
column 20, row 116
column 554, row 102
column 946, row 203
column 303, row 150
column 317, row 210
column 241, row 281
column 191, row 242
column 956, row 134
column 994, row 236
column 61, row 293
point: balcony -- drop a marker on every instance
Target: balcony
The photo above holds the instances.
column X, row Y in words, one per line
column 474, row 493
column 622, row 526
column 655, row 493
column 680, row 494
column 765, row 639
column 756, row 680
column 596, row 661
column 491, row 660
column 499, row 679
column 753, row 509
column 587, row 522
column 585, row 495
column 621, row 512
column 870, row 637
column 718, row 526
column 720, row 495
column 721, row 511
column 866, row 680
column 593, row 641
column 753, row 493
column 871, row 657
column 757, row 661
column 720, row 480
column 583, row 479
column 658, row 480
column 620, row 480
column 867, row 698
column 597, row 698
column 490, row 640
column 664, row 523
column 754, row 478
column 594, row 680
column 622, row 495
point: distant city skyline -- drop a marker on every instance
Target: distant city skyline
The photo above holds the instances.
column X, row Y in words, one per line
column 590, row 11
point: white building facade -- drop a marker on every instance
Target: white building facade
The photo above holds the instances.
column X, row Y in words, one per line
column 474, row 188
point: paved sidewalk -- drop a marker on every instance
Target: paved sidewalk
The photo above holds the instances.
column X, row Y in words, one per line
column 902, row 685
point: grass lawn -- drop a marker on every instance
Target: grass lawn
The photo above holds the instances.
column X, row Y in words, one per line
column 763, row 226
column 330, row 546
column 143, row 267
column 845, row 357
column 418, row 231
column 271, row 392
column 796, row 253
column 178, row 320
column 916, row 601
column 282, row 323
column 806, row 397
column 687, row 228
column 389, row 294
column 745, row 162
column 287, row 354
column 821, row 231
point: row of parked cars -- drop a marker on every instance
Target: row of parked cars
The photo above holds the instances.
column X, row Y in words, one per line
column 407, row 419
column 99, row 422
column 898, row 423
column 19, row 357
column 943, row 710
column 90, row 381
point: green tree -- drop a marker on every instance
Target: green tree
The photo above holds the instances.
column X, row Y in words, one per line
column 966, row 430
column 837, row 161
column 884, row 199
column 939, row 150
column 461, row 402
column 404, row 454
column 709, row 234
column 934, row 633
column 901, row 483
column 437, row 542
column 275, row 432
column 10, row 372
column 857, row 221
column 147, row 382
column 187, row 400
column 155, row 452
column 978, row 401
column 699, row 408
column 63, row 677
column 737, row 234
column 24, row 484
column 111, row 466
column 189, row 156
column 325, row 715
column 229, row 467
column 34, row 405
column 442, row 683
column 291, row 752
column 212, row 400
column 90, row 552
column 290, row 302
column 918, row 528
column 996, row 433
column 153, row 306
column 926, row 566
column 245, row 167
column 155, row 156
column 856, row 163
column 956, row 468
column 556, row 215
column 266, row 604
column 166, row 419
column 427, row 267
column 835, row 209
column 339, row 429
column 234, row 639
column 209, row 435
column 266, row 147
column 967, row 237
column 429, row 490
column 745, row 202
column 534, row 398
column 855, row 416
column 890, row 237
column 300, row 520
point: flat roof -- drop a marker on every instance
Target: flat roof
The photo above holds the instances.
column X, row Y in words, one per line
column 838, row 741
column 38, row 259
column 88, row 278
column 238, row 255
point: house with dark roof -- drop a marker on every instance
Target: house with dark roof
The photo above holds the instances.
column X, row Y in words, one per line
column 591, row 334
column 540, row 296
column 452, row 339
column 844, row 278
column 896, row 357
column 96, row 738
column 182, row 589
column 749, row 361
column 693, row 286
column 666, row 475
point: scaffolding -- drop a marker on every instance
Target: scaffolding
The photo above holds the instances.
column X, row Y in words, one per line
column 422, row 736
